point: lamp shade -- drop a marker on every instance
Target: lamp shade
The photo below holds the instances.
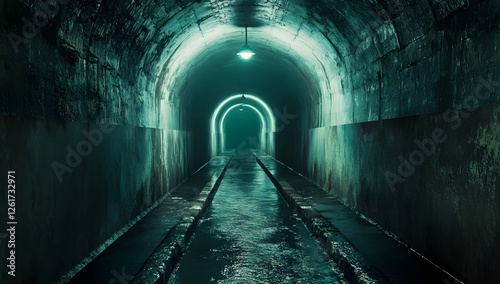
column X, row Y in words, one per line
column 246, row 52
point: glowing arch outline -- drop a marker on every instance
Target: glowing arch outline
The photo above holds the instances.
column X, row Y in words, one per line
column 262, row 121
column 251, row 97
column 271, row 126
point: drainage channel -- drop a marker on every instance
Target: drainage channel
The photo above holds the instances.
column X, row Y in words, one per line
column 250, row 235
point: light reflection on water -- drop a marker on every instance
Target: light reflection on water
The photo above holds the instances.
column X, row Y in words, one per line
column 249, row 235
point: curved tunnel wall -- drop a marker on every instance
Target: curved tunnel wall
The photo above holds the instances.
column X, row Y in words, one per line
column 369, row 78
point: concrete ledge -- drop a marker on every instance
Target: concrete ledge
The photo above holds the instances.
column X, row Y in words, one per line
column 162, row 262
column 355, row 268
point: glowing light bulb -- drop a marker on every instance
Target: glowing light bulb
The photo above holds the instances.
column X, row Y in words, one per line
column 246, row 52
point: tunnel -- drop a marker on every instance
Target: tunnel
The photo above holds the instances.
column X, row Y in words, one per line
column 370, row 128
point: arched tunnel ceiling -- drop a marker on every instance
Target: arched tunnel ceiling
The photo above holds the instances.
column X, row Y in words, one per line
column 162, row 45
column 281, row 47
column 159, row 50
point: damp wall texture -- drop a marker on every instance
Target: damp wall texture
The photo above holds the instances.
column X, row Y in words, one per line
column 434, row 186
column 80, row 184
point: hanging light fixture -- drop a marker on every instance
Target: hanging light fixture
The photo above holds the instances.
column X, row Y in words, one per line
column 246, row 51
column 243, row 99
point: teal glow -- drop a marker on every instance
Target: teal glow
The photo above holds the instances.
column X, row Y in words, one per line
column 269, row 127
column 262, row 121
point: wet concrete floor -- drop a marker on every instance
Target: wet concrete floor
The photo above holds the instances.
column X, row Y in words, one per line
column 126, row 256
column 250, row 235
column 397, row 262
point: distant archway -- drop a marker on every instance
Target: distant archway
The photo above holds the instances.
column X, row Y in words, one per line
column 256, row 104
column 263, row 125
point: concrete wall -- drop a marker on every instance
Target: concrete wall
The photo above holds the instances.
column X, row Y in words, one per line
column 442, row 200
column 62, row 219
column 431, row 180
